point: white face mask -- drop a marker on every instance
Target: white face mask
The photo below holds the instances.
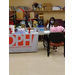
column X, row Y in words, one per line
column 52, row 22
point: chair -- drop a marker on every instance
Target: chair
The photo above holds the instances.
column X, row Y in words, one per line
column 64, row 24
column 60, row 23
column 56, row 39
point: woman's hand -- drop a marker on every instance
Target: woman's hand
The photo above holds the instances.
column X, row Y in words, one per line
column 45, row 28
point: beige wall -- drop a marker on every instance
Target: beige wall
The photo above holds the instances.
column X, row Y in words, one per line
column 47, row 15
column 30, row 2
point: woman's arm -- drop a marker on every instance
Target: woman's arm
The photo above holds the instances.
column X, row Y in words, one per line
column 47, row 26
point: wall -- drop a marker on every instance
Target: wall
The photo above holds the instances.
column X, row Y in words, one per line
column 30, row 2
column 47, row 15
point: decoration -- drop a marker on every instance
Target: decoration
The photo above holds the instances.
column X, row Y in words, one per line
column 35, row 23
column 35, row 5
column 10, row 30
column 40, row 6
column 43, row 6
column 29, row 30
column 23, row 24
column 30, row 22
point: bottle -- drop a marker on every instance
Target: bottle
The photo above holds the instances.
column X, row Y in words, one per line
column 35, row 29
column 29, row 30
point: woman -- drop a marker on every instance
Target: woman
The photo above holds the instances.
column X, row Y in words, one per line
column 49, row 25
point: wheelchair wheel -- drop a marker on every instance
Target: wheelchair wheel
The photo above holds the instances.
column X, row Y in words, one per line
column 45, row 43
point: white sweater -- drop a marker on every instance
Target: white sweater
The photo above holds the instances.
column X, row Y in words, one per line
column 48, row 26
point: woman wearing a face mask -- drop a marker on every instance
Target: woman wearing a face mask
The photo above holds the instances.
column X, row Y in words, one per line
column 51, row 23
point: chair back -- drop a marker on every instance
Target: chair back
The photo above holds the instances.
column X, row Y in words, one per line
column 64, row 24
column 56, row 37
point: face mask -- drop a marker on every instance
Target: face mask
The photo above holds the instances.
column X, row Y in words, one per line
column 52, row 22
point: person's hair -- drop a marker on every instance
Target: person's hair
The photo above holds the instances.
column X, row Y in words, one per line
column 50, row 21
column 56, row 22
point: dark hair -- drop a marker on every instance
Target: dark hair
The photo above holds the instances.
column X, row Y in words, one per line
column 50, row 21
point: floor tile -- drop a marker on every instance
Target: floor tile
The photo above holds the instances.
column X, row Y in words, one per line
column 38, row 63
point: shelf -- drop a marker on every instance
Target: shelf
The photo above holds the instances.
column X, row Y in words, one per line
column 25, row 19
column 21, row 19
column 57, row 11
column 44, row 11
column 13, row 10
column 33, row 18
column 38, row 11
column 34, row 11
column 11, row 18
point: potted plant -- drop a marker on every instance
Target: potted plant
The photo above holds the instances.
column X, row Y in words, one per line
column 43, row 6
column 40, row 6
column 35, row 5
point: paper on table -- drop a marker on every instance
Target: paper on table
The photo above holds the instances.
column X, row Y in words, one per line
column 46, row 31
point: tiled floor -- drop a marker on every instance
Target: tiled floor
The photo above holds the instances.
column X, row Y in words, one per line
column 37, row 63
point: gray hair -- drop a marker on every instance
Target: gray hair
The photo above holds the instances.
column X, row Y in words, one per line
column 56, row 22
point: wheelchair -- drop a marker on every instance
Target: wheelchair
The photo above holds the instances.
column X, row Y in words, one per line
column 45, row 41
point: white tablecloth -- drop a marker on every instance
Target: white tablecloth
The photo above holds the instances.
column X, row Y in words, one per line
column 44, row 32
column 24, row 42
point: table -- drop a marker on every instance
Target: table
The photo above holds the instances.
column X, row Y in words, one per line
column 47, row 33
column 31, row 48
column 23, row 42
column 44, row 32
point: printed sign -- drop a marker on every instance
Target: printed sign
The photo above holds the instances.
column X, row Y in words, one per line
column 23, row 42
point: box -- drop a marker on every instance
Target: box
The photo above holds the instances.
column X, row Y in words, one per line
column 31, row 14
column 55, row 8
column 40, row 16
column 20, row 15
column 48, row 6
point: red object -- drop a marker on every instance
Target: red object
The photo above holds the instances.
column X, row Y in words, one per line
column 21, row 9
column 31, row 20
column 29, row 30
column 11, row 23
column 10, row 30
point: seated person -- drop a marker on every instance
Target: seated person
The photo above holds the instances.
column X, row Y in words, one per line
column 51, row 23
column 57, row 28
